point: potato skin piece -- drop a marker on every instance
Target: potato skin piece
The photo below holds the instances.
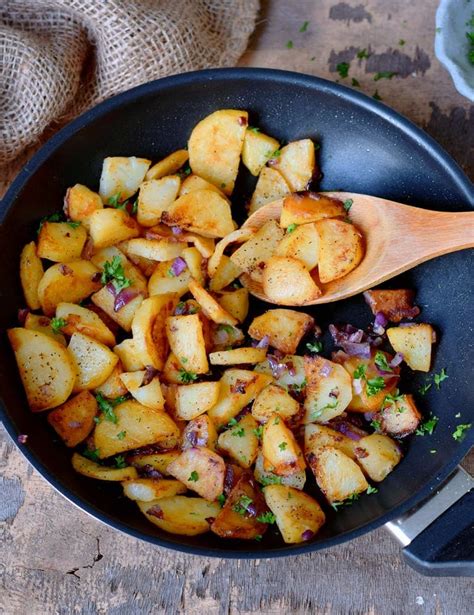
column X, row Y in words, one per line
column 31, row 272
column 74, row 420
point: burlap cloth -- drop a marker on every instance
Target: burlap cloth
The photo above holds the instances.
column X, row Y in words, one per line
column 60, row 57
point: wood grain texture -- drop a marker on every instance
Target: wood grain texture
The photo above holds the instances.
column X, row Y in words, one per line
column 54, row 559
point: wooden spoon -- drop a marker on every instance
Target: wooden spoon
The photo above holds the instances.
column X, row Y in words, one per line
column 397, row 238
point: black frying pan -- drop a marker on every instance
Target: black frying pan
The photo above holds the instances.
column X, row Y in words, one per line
column 365, row 147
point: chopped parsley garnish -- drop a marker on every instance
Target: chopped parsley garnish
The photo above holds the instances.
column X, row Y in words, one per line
column 121, row 435
column 239, row 432
column 460, row 430
column 424, row 388
column 291, row 228
column 470, row 38
column 186, row 377
column 106, row 406
column 375, row 425
column 343, row 69
column 194, row 476
column 289, row 44
column 376, row 95
column 92, row 454
column 227, row 328
column 350, row 500
column 119, row 461
column 242, row 505
column 314, row 346
column 371, row 490
column 114, row 201
column 381, row 362
column 57, row 324
column 393, row 398
column 359, row 372
column 270, row 479
column 439, row 378
column 113, row 272
column 374, row 385
column 258, row 431
column 298, row 388
column 258, row 537
column 275, row 154
column 348, row 204
column 253, row 129
column 276, row 420
column 134, row 207
column 267, row 517
column 304, row 27
column 56, row 217
column 355, row 83
column 221, row 500
column 282, row 446
column 232, row 423
column 362, row 54
column 427, row 427
column 384, row 74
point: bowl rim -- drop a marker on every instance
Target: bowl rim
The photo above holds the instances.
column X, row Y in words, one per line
column 151, row 88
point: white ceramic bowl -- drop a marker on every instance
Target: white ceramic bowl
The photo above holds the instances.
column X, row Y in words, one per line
column 451, row 44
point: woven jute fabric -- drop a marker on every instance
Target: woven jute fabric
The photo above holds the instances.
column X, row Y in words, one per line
column 60, row 57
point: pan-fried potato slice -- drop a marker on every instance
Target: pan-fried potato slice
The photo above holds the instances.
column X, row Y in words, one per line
column 149, row 489
column 236, row 519
column 309, row 207
column 45, row 367
column 109, row 226
column 337, row 475
column 180, row 514
column 240, row 442
column 195, row 399
column 122, row 176
column 378, row 455
column 89, row 468
column 71, row 282
column 257, row 150
column 340, row 249
column 157, row 461
column 201, row 470
column 238, row 387
column 282, row 454
column 204, row 211
column 287, row 281
column 414, row 343
column 265, row 477
column 61, row 242
column 194, row 182
column 298, row 516
column 235, row 303
column 148, row 394
column 271, row 186
column 215, row 145
column 149, row 329
column 209, row 305
column 284, row 328
column 253, row 254
column 123, row 316
column 128, row 355
column 328, row 389
column 80, row 202
column 225, row 274
column 113, row 254
column 205, row 245
column 394, row 304
column 238, row 356
column 399, row 418
column 142, row 426
column 164, row 282
column 297, row 164
column 81, row 320
column 173, row 372
column 274, row 399
column 113, row 387
column 94, row 362
column 239, row 236
column 168, row 165
column 317, row 436
column 153, row 249
column 74, row 420
column 42, row 324
column 186, row 339
column 200, row 432
column 31, row 273
column 302, row 244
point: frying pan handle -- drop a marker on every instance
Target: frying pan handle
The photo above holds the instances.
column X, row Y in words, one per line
column 438, row 535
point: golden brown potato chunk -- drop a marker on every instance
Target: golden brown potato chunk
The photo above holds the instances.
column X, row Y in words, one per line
column 284, row 328
column 74, row 420
column 394, row 304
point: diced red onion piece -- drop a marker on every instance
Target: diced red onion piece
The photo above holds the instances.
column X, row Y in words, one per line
column 178, row 266
column 357, row 350
column 123, row 298
column 356, row 337
column 155, row 511
column 277, row 368
column 251, row 510
column 369, row 416
column 150, row 373
column 380, row 319
column 291, row 368
column 22, row 438
column 22, row 314
column 357, row 386
column 397, row 359
column 264, row 342
column 307, row 535
column 325, row 370
column 176, row 230
column 334, row 393
column 346, row 429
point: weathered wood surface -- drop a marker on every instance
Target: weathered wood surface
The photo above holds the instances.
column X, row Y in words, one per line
column 54, row 559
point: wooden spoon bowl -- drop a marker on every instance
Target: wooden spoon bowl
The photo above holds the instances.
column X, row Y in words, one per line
column 397, row 237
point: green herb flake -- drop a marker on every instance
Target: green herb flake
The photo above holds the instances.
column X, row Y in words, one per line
column 384, row 74
column 275, row 154
column 439, row 378
column 253, row 129
column 106, row 406
column 343, row 69
column 424, row 388
column 119, row 461
column 186, row 377
column 270, row 479
column 92, row 454
column 239, row 432
column 427, row 427
column 460, row 431
column 232, row 423
column 376, row 95
column 381, row 362
column 258, row 431
column 291, row 228
column 242, row 505
column 57, row 324
column 56, row 217
column 229, row 329
column 134, row 207
column 348, row 204
column 304, row 26
column 289, row 44
column 392, row 398
column 114, row 201
column 363, row 53
column 267, row 517
column 221, row 500
column 113, row 272
column 375, row 425
column 121, row 435
column 282, row 446
column 258, row 537
column 193, row 477
column 360, row 370
column 314, row 346
column 371, row 490
column 374, row 385
column 276, row 420
column 73, row 224
column 355, row 83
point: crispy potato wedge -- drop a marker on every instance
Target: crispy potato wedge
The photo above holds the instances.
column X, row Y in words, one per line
column 186, row 339
column 340, row 249
column 157, row 461
column 273, row 399
column 238, row 356
column 201, row 470
column 61, row 242
column 257, row 150
column 377, row 455
column 149, row 329
column 394, row 304
column 337, row 475
column 71, row 283
column 200, row 432
column 225, row 274
column 239, row 236
column 142, row 426
column 45, row 367
column 31, row 273
column 109, row 226
column 81, row 320
column 399, row 418
column 328, row 389
column 74, row 420
column 265, row 477
column 169, row 165
column 194, row 182
column 193, row 259
column 240, row 442
column 287, row 281
column 93, row 361
column 282, row 454
column 235, row 303
column 105, row 300
column 302, row 244
column 306, row 207
column 238, row 387
column 271, row 186
column 122, row 176
column 317, row 436
column 80, row 202
column 209, row 305
column 163, row 282
column 298, row 516
column 173, row 372
column 254, row 253
column 149, row 489
column 203, row 211
column 414, row 343
column 113, row 387
column 89, row 468
column 195, row 399
column 297, row 164
column 180, row 514
column 155, row 249
column 42, row 324
column 284, row 328
column 149, row 394
column 129, row 356
column 215, row 146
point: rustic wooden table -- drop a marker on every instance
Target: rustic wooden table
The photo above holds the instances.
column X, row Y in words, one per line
column 56, row 560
